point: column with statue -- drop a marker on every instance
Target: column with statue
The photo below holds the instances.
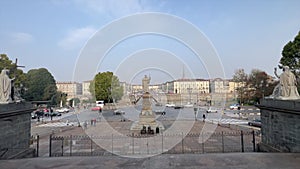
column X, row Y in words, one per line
column 146, row 117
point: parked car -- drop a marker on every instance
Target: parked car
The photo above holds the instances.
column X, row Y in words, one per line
column 52, row 114
column 63, row 110
column 235, row 106
column 178, row 107
column 119, row 112
column 212, row 110
column 255, row 123
column 97, row 108
column 170, row 105
column 159, row 112
column 189, row 105
column 37, row 114
column 55, row 114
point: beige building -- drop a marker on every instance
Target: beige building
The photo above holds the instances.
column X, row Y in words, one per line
column 72, row 89
column 86, row 88
column 185, row 86
column 219, row 85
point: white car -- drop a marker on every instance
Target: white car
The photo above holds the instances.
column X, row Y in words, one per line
column 212, row 110
column 234, row 106
column 189, row 105
column 63, row 110
column 170, row 105
column 119, row 112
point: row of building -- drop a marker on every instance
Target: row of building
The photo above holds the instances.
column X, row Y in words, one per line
column 180, row 86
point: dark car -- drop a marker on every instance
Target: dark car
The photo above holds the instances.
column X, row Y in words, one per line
column 119, row 112
column 255, row 123
column 48, row 114
column 39, row 113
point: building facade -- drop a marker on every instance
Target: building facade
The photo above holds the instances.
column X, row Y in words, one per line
column 186, row 86
column 72, row 89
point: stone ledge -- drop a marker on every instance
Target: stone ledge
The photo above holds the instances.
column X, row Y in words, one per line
column 287, row 106
column 266, row 148
column 12, row 109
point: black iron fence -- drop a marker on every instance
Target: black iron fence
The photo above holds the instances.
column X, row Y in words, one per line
column 222, row 142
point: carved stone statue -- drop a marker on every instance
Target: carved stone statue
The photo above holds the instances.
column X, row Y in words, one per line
column 145, row 84
column 287, row 87
column 6, row 86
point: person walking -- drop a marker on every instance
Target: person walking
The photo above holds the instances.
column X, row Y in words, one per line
column 203, row 117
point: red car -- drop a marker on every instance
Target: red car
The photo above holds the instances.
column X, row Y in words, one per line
column 96, row 108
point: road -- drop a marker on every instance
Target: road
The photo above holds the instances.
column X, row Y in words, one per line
column 131, row 113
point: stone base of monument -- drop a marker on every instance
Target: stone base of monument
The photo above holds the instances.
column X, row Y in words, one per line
column 146, row 120
column 15, row 124
column 280, row 125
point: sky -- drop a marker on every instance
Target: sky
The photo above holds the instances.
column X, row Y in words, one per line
column 164, row 39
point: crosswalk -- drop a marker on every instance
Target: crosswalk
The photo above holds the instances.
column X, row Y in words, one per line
column 227, row 121
column 57, row 124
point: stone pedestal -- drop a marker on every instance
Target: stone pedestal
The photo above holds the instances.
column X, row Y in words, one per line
column 280, row 125
column 15, row 125
column 147, row 116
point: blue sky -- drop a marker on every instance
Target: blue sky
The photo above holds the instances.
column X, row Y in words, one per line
column 52, row 33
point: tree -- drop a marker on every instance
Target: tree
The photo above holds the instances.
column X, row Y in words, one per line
column 260, row 84
column 106, row 86
column 291, row 54
column 13, row 71
column 40, row 85
column 240, row 77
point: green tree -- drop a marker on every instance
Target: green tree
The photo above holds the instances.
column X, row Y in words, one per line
column 106, row 86
column 291, row 54
column 40, row 85
column 240, row 77
column 260, row 84
column 18, row 74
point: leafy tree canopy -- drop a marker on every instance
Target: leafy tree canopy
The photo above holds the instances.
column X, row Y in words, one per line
column 291, row 54
column 40, row 85
column 106, row 86
column 18, row 74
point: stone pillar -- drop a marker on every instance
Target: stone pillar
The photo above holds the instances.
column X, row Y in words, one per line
column 15, row 125
column 280, row 125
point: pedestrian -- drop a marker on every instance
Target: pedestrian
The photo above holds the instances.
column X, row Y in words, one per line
column 94, row 122
column 91, row 122
column 203, row 117
column 85, row 125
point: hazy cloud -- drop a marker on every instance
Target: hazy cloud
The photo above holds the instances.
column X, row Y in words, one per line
column 76, row 38
column 114, row 8
column 21, row 37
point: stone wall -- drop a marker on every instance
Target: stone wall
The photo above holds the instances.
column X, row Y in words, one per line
column 15, row 124
column 280, row 125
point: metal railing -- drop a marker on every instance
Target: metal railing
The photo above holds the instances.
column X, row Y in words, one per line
column 222, row 142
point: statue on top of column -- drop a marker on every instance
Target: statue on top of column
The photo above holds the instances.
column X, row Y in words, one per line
column 6, row 86
column 287, row 86
column 145, row 84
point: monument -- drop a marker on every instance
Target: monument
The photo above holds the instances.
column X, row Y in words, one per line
column 15, row 121
column 280, row 116
column 286, row 89
column 146, row 117
column 6, row 87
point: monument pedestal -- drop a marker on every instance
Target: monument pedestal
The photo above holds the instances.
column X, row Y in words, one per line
column 280, row 125
column 15, row 125
column 146, row 117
